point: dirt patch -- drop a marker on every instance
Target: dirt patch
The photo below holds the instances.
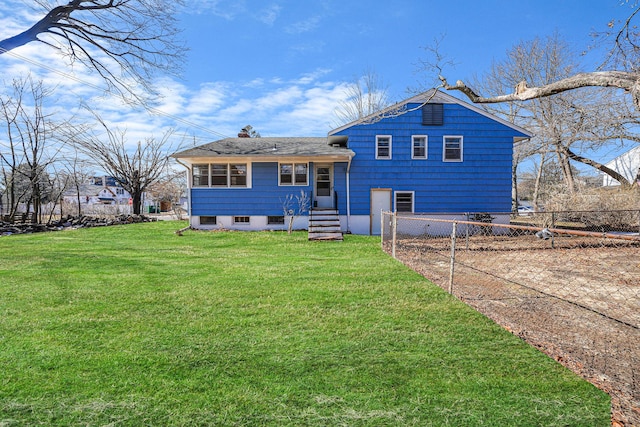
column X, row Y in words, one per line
column 577, row 300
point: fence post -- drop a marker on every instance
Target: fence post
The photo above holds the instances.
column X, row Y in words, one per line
column 382, row 215
column 453, row 256
column 394, row 226
column 467, row 230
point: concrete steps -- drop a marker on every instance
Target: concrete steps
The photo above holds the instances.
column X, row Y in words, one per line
column 324, row 224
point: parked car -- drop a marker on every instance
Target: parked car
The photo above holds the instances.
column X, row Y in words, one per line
column 525, row 210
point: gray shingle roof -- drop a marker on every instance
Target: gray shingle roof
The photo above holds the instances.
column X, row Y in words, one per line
column 267, row 147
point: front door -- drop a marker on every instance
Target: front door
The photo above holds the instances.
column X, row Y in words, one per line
column 380, row 201
column 324, row 186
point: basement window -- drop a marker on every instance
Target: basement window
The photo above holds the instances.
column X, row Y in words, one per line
column 208, row 220
column 278, row 219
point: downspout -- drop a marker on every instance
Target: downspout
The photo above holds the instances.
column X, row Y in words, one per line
column 348, row 196
column 188, row 188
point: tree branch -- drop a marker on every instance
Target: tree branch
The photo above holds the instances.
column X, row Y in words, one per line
column 627, row 81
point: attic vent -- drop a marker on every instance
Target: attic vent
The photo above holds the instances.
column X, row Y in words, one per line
column 432, row 115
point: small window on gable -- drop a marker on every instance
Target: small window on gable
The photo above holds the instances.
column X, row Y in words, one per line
column 452, row 149
column 419, row 147
column 404, row 201
column 432, row 115
column 383, row 146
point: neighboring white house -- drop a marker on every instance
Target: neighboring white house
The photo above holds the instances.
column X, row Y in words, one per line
column 103, row 190
column 627, row 164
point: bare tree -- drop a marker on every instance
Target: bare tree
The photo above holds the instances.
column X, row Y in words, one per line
column 135, row 169
column 294, row 206
column 570, row 125
column 26, row 145
column 125, row 41
column 76, row 173
column 365, row 95
column 621, row 70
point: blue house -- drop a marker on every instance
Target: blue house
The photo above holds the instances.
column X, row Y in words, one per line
column 431, row 153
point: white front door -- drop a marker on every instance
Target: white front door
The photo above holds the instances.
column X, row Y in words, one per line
column 324, row 186
column 380, row 201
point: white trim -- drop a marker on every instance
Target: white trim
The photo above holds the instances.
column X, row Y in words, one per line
column 444, row 159
column 293, row 175
column 390, row 138
column 241, row 222
column 426, row 147
column 413, row 200
column 228, row 185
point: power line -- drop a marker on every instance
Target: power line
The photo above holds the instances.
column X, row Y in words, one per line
column 149, row 109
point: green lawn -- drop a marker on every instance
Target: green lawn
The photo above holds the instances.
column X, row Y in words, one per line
column 134, row 325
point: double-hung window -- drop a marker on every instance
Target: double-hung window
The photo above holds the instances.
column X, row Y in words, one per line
column 294, row 174
column 452, row 148
column 223, row 175
column 237, row 175
column 219, row 175
column 383, row 146
column 200, row 175
column 419, row 147
column 404, row 201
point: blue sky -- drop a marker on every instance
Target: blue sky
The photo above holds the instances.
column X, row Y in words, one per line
column 282, row 65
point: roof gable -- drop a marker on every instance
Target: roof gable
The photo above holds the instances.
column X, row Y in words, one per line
column 430, row 96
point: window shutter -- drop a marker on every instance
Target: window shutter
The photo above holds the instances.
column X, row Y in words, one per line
column 432, row 115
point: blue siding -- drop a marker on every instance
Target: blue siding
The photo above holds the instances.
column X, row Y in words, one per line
column 264, row 198
column 481, row 182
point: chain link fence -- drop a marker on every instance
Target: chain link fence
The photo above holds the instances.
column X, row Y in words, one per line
column 566, row 282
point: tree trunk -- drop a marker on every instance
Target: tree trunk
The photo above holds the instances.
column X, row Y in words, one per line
column 599, row 166
column 514, row 187
column 536, row 186
column 31, row 34
column 78, row 198
column 565, row 166
column 137, row 201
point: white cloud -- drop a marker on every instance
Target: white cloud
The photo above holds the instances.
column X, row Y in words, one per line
column 226, row 9
column 210, row 97
column 270, row 14
column 305, row 26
